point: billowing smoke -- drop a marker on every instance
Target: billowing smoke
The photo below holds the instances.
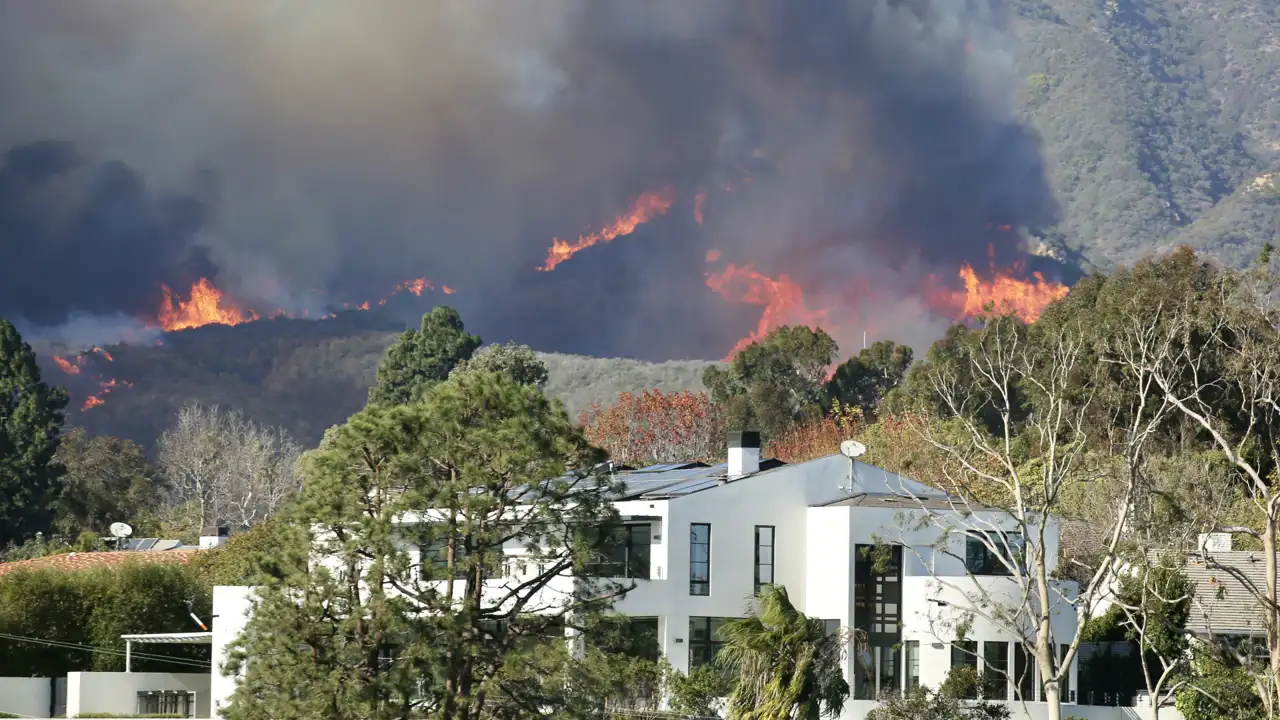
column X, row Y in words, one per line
column 294, row 147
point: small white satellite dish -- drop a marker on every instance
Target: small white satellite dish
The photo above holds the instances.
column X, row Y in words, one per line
column 121, row 530
column 852, row 448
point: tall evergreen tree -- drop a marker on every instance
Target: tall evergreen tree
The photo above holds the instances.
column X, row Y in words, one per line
column 412, row 605
column 862, row 380
column 776, row 382
column 422, row 358
column 30, row 419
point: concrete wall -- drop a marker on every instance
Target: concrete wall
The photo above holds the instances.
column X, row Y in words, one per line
column 25, row 696
column 117, row 692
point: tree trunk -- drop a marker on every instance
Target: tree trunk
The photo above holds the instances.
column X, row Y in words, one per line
column 1273, row 612
column 1052, row 703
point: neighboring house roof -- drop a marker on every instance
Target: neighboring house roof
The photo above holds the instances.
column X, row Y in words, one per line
column 1227, row 586
column 91, row 560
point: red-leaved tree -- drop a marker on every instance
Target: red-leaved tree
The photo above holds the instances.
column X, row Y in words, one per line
column 655, row 427
column 818, row 438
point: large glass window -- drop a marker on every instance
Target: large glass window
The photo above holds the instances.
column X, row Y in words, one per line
column 1024, row 674
column 627, row 556
column 964, row 668
column 700, row 559
column 995, row 671
column 912, row 648
column 764, row 556
column 995, row 555
column 704, row 640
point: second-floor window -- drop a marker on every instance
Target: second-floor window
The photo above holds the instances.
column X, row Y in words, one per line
column 627, row 556
column 764, row 556
column 992, row 554
column 700, row 559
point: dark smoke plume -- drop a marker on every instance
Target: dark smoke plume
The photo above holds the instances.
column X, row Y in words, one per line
column 344, row 147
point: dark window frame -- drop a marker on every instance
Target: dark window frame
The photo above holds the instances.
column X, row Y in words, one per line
column 703, row 651
column 773, row 556
column 911, row 664
column 626, row 558
column 699, row 584
column 979, row 560
column 995, row 680
column 965, row 653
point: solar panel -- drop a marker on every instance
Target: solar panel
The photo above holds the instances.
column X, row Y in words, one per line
column 686, row 487
column 147, row 543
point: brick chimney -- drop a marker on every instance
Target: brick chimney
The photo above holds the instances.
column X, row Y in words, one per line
column 744, row 453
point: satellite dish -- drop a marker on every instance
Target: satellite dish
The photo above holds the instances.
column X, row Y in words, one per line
column 121, row 530
column 852, row 449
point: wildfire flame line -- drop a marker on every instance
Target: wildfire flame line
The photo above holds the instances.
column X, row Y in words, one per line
column 782, row 298
column 643, row 209
column 207, row 306
column 1006, row 293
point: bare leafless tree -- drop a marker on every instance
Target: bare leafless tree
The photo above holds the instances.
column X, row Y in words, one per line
column 1220, row 371
column 225, row 469
column 1020, row 410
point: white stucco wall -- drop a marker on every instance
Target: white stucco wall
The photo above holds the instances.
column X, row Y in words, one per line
column 28, row 697
column 231, row 608
column 117, row 692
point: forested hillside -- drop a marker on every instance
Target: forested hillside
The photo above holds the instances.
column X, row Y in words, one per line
column 1160, row 122
column 301, row 375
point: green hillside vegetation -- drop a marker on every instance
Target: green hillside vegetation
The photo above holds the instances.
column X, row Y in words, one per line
column 304, row 376
column 1158, row 117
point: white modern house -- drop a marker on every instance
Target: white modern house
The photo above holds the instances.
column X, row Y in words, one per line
column 700, row 540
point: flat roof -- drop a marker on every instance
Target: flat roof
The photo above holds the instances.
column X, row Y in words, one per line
column 191, row 638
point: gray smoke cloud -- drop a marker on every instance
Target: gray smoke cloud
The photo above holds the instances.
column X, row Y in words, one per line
column 338, row 148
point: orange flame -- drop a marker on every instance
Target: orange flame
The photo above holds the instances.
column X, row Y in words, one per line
column 104, row 387
column 66, row 366
column 1006, row 293
column 415, row 286
column 643, row 209
column 106, row 355
column 207, row 306
column 698, row 199
column 782, row 298
column 447, row 290
column 713, row 255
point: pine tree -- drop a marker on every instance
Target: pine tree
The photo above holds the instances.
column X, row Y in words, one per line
column 432, row 619
column 30, row 419
column 422, row 358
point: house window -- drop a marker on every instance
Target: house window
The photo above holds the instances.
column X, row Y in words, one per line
column 995, row 671
column 167, row 702
column 912, row 648
column 1024, row 674
column 992, row 556
column 627, row 557
column 700, row 559
column 704, row 640
column 964, row 661
column 1064, row 688
column 764, row 556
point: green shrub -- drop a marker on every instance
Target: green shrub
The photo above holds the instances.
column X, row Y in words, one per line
column 92, row 609
column 1234, row 690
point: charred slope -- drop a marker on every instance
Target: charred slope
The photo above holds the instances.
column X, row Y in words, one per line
column 301, row 375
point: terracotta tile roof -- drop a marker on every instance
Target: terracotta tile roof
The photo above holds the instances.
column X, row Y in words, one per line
column 90, row 560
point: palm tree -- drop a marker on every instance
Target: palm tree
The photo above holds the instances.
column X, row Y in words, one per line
column 787, row 666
